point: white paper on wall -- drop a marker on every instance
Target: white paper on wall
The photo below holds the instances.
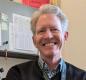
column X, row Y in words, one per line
column 22, row 35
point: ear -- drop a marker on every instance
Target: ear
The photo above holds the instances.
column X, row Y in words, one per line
column 65, row 35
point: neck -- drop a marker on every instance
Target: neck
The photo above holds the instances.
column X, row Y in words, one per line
column 52, row 63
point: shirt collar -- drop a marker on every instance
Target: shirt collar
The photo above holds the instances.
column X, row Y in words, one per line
column 41, row 63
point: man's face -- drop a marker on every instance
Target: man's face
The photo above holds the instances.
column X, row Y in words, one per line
column 49, row 37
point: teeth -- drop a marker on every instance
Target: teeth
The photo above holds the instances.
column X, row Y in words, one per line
column 49, row 44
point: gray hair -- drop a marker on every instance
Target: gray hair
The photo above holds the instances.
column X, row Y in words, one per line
column 46, row 9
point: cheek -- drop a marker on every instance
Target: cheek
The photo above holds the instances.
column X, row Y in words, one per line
column 59, row 39
column 37, row 40
column 58, row 36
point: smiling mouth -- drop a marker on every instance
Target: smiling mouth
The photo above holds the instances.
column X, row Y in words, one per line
column 49, row 44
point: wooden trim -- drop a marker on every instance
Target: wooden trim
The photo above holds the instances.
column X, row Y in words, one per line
column 11, row 54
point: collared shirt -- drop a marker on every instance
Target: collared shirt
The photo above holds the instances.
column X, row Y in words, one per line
column 48, row 73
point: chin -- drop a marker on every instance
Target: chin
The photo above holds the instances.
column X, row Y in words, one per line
column 48, row 54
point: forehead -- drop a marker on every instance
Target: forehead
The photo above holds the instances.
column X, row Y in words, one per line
column 48, row 16
column 48, row 20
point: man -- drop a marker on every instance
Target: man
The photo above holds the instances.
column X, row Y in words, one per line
column 49, row 27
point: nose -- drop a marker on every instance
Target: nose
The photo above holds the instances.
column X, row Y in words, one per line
column 48, row 34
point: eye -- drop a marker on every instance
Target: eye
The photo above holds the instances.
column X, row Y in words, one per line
column 54, row 29
column 41, row 31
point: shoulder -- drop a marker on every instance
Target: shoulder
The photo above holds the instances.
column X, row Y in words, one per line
column 72, row 67
column 20, row 71
column 75, row 71
column 25, row 65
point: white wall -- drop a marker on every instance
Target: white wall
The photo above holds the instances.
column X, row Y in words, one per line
column 75, row 47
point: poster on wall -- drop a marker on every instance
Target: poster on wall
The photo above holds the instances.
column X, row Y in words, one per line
column 35, row 3
column 38, row 3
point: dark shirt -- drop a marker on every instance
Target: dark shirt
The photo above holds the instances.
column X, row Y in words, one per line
column 31, row 71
